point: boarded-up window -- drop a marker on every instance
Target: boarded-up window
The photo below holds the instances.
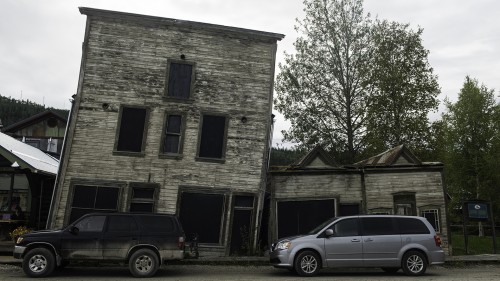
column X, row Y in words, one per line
column 180, row 76
column 202, row 213
column 89, row 199
column 212, row 139
column 131, row 125
column 173, row 134
column 405, row 204
column 300, row 217
column 143, row 199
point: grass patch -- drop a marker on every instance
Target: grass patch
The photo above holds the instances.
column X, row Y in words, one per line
column 476, row 246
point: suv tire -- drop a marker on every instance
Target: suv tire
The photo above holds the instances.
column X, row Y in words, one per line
column 307, row 263
column 414, row 263
column 143, row 263
column 39, row 262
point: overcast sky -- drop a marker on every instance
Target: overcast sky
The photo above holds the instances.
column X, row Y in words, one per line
column 40, row 40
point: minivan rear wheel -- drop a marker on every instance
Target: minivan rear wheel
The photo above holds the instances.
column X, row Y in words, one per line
column 307, row 263
column 414, row 263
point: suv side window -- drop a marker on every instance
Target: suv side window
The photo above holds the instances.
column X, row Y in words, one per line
column 377, row 226
column 121, row 224
column 91, row 224
column 412, row 226
column 157, row 224
column 347, row 227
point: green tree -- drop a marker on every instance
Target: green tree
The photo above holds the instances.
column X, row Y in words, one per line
column 472, row 144
column 321, row 88
column 405, row 89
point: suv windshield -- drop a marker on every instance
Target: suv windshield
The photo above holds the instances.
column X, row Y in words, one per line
column 321, row 226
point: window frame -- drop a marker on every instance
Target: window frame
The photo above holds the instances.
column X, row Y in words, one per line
column 407, row 200
column 191, row 85
column 144, row 132
column 437, row 218
column 182, row 135
column 224, row 140
column 142, row 185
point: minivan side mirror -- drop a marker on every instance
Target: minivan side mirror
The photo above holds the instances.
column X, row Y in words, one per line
column 329, row 232
column 74, row 230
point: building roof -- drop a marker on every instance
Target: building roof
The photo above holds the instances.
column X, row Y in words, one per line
column 399, row 155
column 33, row 120
column 180, row 23
column 27, row 156
column 317, row 158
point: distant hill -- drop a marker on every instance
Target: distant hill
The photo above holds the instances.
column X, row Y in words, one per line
column 13, row 111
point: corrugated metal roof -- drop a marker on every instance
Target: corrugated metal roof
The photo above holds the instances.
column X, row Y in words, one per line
column 27, row 156
column 391, row 157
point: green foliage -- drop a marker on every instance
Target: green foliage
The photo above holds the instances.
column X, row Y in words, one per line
column 405, row 89
column 355, row 86
column 476, row 245
column 472, row 146
column 13, row 111
column 285, row 156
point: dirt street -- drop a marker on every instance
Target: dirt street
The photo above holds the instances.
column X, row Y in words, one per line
column 220, row 273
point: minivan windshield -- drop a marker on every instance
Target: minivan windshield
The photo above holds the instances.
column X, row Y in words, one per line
column 321, row 226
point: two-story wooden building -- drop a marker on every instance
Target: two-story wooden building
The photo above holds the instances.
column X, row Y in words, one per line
column 171, row 116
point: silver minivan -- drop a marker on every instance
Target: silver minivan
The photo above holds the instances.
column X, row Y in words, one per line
column 389, row 242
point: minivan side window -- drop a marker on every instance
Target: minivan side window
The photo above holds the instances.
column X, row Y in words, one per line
column 377, row 226
column 347, row 227
column 411, row 226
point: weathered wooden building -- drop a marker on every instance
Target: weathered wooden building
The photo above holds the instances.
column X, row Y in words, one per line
column 315, row 188
column 171, row 116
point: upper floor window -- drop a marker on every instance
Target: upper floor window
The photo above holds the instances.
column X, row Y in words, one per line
column 212, row 137
column 180, row 79
column 143, row 198
column 173, row 134
column 132, row 129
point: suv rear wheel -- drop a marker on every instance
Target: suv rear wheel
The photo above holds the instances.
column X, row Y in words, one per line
column 307, row 263
column 414, row 263
column 143, row 263
column 39, row 262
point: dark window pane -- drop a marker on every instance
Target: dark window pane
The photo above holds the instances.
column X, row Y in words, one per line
column 179, row 80
column 411, row 226
column 202, row 214
column 243, row 201
column 377, row 226
column 212, row 136
column 77, row 213
column 136, row 207
column 157, row 223
column 174, row 124
column 172, row 144
column 121, row 224
column 348, row 209
column 132, row 126
column 84, row 196
column 107, row 198
column 300, row 217
column 144, row 193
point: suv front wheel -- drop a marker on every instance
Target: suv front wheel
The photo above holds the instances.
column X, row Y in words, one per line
column 143, row 263
column 39, row 262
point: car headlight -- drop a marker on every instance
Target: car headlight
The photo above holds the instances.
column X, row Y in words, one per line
column 284, row 245
column 19, row 240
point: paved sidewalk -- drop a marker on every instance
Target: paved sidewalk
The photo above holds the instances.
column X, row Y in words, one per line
column 450, row 260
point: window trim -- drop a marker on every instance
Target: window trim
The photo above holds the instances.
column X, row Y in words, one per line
column 143, row 185
column 221, row 160
column 144, row 133
column 191, row 86
column 179, row 155
column 412, row 203
column 438, row 216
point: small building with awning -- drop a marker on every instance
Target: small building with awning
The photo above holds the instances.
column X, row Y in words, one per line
column 27, row 177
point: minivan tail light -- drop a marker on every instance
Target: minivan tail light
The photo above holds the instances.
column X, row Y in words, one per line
column 181, row 242
column 437, row 239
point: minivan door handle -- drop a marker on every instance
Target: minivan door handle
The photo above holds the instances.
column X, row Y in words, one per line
column 355, row 240
column 368, row 240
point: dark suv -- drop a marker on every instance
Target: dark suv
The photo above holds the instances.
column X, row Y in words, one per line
column 144, row 241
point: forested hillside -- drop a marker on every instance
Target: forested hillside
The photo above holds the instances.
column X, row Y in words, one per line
column 13, row 111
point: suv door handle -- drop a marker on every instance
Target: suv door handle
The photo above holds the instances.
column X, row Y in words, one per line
column 355, row 240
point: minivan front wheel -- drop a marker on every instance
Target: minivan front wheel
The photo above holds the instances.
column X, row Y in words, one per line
column 307, row 263
column 143, row 263
column 414, row 263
